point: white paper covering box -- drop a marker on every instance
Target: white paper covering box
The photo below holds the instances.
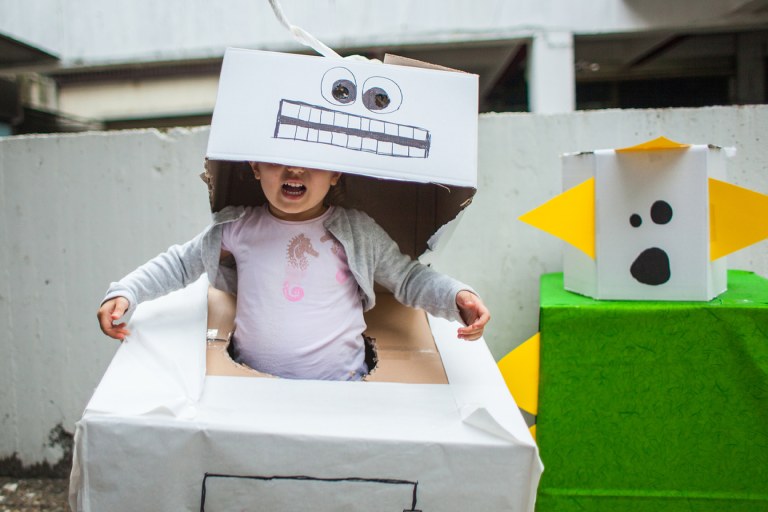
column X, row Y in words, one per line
column 651, row 225
column 160, row 435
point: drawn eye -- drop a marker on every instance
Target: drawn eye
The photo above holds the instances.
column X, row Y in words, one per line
column 661, row 212
column 381, row 95
column 339, row 86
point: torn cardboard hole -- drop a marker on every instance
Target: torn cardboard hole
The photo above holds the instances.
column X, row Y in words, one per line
column 406, row 348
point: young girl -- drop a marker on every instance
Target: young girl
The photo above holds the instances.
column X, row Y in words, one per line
column 304, row 275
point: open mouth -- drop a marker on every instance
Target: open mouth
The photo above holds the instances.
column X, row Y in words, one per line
column 293, row 189
column 301, row 121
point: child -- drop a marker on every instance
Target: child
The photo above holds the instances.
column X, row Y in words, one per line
column 305, row 274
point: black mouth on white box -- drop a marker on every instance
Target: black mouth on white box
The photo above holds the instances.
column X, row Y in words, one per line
column 311, row 123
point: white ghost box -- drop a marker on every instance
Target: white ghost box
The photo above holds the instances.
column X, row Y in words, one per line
column 651, row 224
column 648, row 222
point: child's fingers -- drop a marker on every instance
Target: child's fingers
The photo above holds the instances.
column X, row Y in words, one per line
column 467, row 304
column 105, row 320
column 120, row 307
column 470, row 334
column 474, row 313
column 484, row 316
column 120, row 332
column 475, row 329
column 110, row 311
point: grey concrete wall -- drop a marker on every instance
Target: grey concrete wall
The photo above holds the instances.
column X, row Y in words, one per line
column 78, row 211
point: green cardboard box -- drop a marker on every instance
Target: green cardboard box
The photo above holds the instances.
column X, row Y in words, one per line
column 653, row 406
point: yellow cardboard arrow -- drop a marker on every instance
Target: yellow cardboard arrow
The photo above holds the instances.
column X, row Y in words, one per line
column 520, row 369
column 569, row 216
column 655, row 144
column 738, row 217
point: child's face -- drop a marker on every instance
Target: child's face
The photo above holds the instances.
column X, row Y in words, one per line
column 294, row 193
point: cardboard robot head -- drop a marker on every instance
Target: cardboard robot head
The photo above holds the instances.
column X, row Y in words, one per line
column 412, row 127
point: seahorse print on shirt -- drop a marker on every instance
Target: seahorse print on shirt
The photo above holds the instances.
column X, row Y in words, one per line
column 297, row 262
column 338, row 250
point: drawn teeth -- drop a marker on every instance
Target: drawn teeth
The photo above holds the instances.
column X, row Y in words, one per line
column 311, row 123
column 341, row 120
column 290, row 109
column 286, row 131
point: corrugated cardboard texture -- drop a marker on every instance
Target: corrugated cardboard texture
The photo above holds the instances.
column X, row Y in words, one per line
column 407, row 351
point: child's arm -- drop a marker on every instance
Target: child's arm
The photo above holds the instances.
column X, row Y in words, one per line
column 171, row 270
column 418, row 285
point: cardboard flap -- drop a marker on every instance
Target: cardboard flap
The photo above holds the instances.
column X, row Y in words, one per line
column 160, row 367
column 482, row 397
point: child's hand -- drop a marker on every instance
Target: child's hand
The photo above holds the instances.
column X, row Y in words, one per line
column 474, row 313
column 111, row 310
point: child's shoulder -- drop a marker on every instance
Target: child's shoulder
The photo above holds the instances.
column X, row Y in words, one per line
column 353, row 214
column 356, row 224
column 355, row 217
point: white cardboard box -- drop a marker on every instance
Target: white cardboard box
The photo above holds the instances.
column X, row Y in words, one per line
column 639, row 221
column 392, row 121
column 160, row 435
column 664, row 257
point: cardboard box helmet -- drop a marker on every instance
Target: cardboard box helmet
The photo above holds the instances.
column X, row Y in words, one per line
column 405, row 137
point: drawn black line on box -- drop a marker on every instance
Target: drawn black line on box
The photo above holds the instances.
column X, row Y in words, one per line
column 210, row 477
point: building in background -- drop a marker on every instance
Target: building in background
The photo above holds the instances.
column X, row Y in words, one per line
column 72, row 66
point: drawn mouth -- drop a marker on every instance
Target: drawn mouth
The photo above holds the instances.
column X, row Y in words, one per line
column 301, row 121
column 651, row 267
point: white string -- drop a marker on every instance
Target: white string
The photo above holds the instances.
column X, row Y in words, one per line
column 300, row 34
